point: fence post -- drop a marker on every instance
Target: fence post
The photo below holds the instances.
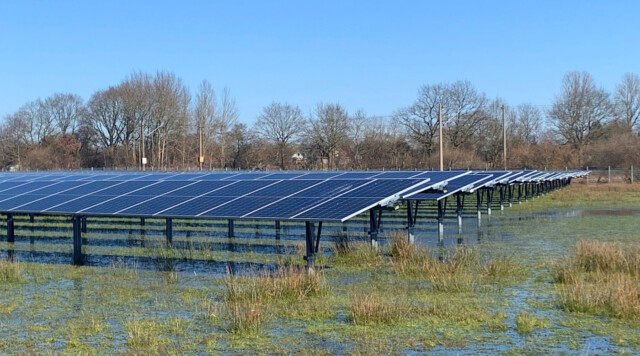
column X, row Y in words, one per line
column 609, row 169
column 587, row 174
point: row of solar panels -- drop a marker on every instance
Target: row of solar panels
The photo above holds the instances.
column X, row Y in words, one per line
column 276, row 175
column 323, row 196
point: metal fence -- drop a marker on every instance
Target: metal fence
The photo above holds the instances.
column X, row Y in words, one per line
column 613, row 175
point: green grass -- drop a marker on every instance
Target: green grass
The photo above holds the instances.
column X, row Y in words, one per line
column 527, row 323
column 396, row 300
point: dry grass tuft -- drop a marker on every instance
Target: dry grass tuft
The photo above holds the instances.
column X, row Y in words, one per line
column 286, row 283
column 246, row 298
column 456, row 273
column 245, row 318
column 505, row 269
column 600, row 278
column 11, row 271
column 359, row 254
column 400, row 247
column 370, row 310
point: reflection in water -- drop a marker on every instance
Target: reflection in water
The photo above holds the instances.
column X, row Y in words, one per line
column 77, row 295
column 426, row 233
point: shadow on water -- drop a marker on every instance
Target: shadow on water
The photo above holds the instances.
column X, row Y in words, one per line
column 489, row 228
column 137, row 241
column 198, row 266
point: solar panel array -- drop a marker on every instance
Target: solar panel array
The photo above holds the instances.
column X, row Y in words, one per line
column 466, row 184
column 326, row 196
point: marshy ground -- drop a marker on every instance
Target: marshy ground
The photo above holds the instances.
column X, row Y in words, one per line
column 558, row 274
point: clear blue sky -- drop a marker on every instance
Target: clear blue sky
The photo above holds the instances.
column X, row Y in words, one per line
column 363, row 54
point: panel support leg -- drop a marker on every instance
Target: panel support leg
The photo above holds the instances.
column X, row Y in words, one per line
column 375, row 216
column 479, row 204
column 11, row 237
column 84, row 224
column 318, row 237
column 441, row 211
column 143, row 231
column 310, row 257
column 510, row 187
column 277, row 229
column 501, row 197
column 412, row 214
column 489, row 200
column 230, row 232
column 520, row 193
column 459, row 209
column 77, row 240
column 32, row 220
column 169, row 231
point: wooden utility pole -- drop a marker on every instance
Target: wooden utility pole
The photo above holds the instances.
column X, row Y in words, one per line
column 441, row 140
column 200, row 157
column 143, row 159
column 504, row 138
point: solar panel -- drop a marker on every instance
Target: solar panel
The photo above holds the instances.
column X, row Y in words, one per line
column 456, row 185
column 279, row 195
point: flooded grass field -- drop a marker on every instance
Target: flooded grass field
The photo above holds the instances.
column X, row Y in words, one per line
column 524, row 280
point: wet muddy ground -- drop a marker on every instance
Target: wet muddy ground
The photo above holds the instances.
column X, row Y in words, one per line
column 135, row 297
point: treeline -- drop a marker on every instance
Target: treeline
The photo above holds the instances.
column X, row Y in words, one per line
column 157, row 117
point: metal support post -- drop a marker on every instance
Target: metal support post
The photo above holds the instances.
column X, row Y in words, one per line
column 11, row 237
column 230, row 227
column 459, row 208
column 510, row 191
column 631, row 175
column 375, row 216
column 310, row 256
column 479, row 203
column 77, row 240
column 489, row 200
column 169, row 231
column 411, row 220
column 441, row 212
column 502, row 197
column 520, row 193
column 84, row 224
column 277, row 229
column 32, row 220
column 143, row 231
column 609, row 170
column 318, row 236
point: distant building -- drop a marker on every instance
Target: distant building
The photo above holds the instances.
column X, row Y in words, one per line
column 298, row 158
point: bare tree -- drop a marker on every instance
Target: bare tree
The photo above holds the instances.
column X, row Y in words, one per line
column 528, row 123
column 421, row 118
column 224, row 120
column 64, row 111
column 241, row 139
column 465, row 114
column 579, row 112
column 490, row 145
column 282, row 124
column 14, row 140
column 106, row 116
column 137, row 99
column 627, row 101
column 359, row 124
column 169, row 112
column 39, row 126
column 204, row 115
column 329, row 127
